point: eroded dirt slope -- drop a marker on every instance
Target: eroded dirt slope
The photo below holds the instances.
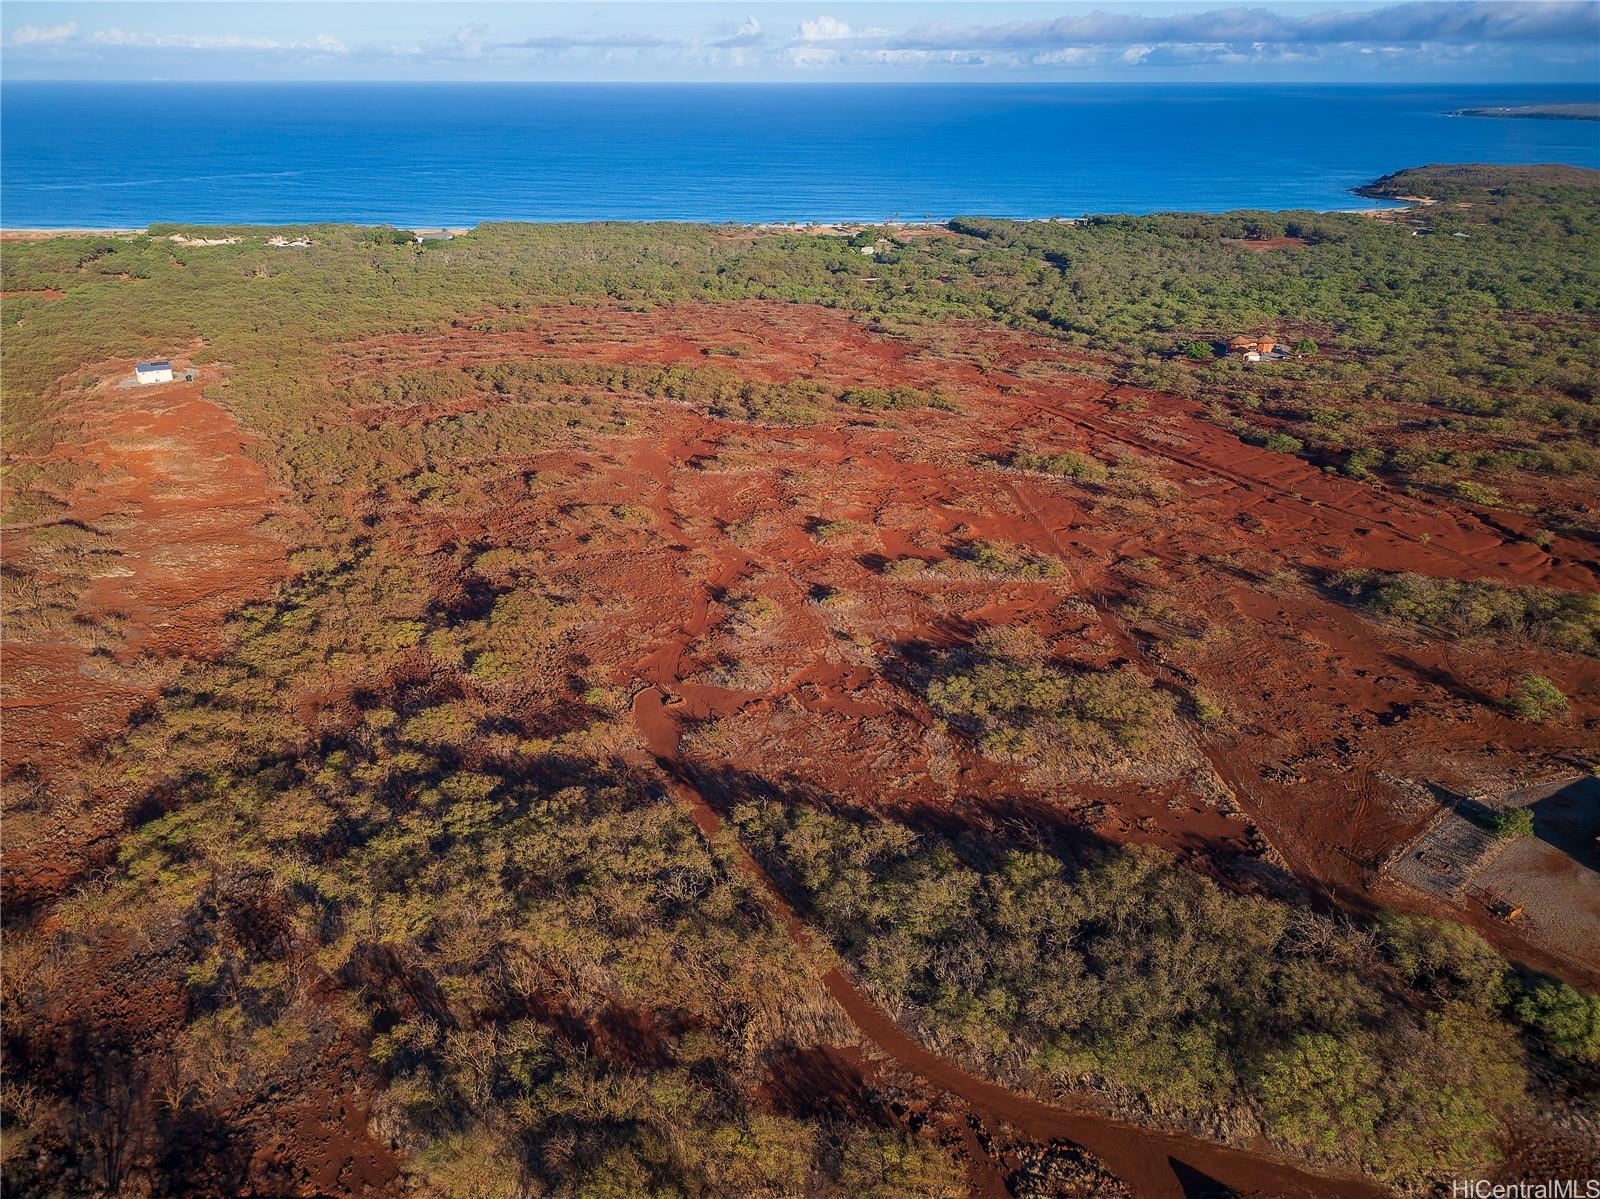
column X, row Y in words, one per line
column 157, row 532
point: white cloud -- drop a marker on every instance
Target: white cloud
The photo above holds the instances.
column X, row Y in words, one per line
column 1427, row 21
column 824, row 29
column 319, row 44
column 467, row 42
column 1070, row 56
column 43, row 35
column 811, row 57
column 956, row 58
column 1429, row 32
column 831, row 29
column 745, row 33
column 589, row 41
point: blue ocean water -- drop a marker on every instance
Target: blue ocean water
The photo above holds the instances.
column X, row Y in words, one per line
column 442, row 154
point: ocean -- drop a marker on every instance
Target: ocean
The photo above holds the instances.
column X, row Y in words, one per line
column 118, row 155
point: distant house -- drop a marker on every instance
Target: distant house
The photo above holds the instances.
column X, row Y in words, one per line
column 153, row 372
column 1258, row 347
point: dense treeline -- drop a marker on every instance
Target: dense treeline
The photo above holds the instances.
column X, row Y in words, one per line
column 1395, row 1048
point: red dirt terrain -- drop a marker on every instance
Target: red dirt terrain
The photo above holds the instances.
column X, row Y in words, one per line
column 1197, row 563
column 154, row 537
column 765, row 599
column 768, row 594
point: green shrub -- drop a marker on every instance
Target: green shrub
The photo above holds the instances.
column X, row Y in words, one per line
column 1536, row 698
column 1008, row 561
column 1475, row 493
column 1006, row 691
column 1512, row 824
column 890, row 1165
column 1321, row 1094
column 1067, row 465
column 1363, row 463
column 1567, row 1019
column 834, row 530
column 886, row 398
column 1206, row 710
column 1444, row 958
column 1565, row 620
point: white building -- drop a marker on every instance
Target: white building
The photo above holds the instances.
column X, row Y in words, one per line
column 153, row 372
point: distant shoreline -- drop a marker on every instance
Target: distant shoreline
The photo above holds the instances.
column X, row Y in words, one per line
column 1384, row 204
column 1535, row 112
column 38, row 234
column 42, row 233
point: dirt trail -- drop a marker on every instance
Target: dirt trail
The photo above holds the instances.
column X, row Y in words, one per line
column 1146, row 1159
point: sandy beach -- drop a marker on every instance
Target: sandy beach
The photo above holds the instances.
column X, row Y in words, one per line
column 46, row 234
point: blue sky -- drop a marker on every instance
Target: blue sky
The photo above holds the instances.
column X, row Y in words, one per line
column 1346, row 40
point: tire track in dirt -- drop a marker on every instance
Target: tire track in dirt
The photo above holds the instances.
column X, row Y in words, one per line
column 1321, row 510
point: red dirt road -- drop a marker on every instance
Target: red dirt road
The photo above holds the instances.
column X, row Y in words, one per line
column 1143, row 1158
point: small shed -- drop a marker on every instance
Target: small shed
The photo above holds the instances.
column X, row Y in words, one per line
column 153, row 372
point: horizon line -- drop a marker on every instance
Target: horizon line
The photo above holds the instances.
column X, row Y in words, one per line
column 1590, row 84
